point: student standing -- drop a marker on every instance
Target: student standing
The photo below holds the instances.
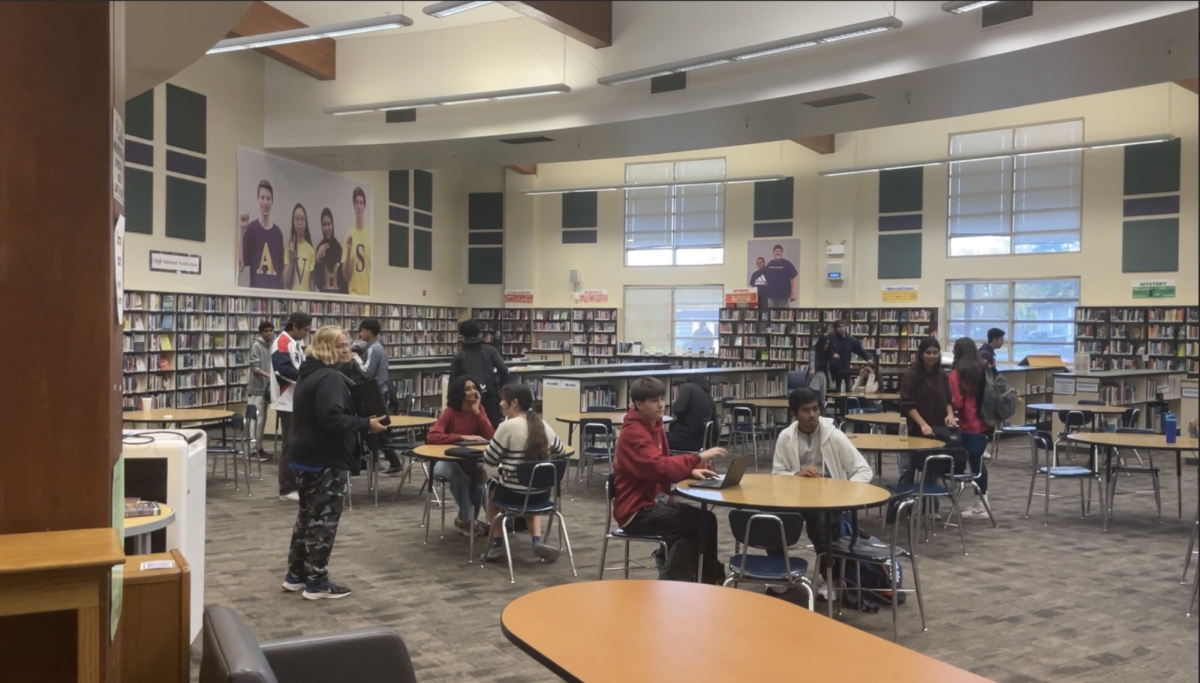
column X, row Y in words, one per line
column 523, row 437
column 287, row 354
column 300, row 259
column 258, row 384
column 643, row 474
column 373, row 364
column 925, row 399
column 966, row 388
column 482, row 363
column 994, row 343
column 821, row 355
column 781, row 280
column 325, row 447
column 844, row 346
column 356, row 269
column 692, row 408
column 261, row 243
column 328, row 268
column 463, row 419
column 758, row 280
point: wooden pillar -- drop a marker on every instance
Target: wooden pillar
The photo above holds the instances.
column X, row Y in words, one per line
column 63, row 67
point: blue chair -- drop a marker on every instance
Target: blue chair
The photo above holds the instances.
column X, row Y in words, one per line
column 618, row 534
column 536, row 477
column 404, row 441
column 239, row 447
column 596, row 442
column 1052, row 470
column 767, row 531
column 1122, row 466
column 796, row 379
column 974, row 445
column 929, row 489
column 744, row 426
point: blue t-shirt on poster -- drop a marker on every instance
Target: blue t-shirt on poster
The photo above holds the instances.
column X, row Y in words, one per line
column 779, row 274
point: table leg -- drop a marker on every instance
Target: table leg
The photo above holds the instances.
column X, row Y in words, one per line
column 700, row 556
column 142, row 544
column 1179, row 481
column 471, row 527
column 1109, row 493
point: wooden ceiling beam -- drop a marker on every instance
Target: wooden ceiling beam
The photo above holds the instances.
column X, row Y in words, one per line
column 316, row 58
column 588, row 21
column 1192, row 84
column 821, row 144
column 523, row 169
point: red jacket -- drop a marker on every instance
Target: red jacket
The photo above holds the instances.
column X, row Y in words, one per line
column 453, row 424
column 644, row 467
column 969, row 419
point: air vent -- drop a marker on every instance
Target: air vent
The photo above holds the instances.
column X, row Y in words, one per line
column 839, row 99
column 1004, row 12
column 526, row 141
column 400, row 116
column 668, row 83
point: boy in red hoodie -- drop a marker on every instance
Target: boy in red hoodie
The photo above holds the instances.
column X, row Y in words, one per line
column 643, row 474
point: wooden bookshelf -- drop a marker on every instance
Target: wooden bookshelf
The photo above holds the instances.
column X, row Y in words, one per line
column 193, row 350
column 572, row 335
column 1138, row 337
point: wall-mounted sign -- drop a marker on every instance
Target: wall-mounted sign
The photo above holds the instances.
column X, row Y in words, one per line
column 592, row 296
column 899, row 294
column 518, row 296
column 1154, row 289
column 170, row 262
column 741, row 296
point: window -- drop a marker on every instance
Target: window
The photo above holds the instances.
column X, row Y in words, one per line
column 691, row 325
column 1016, row 205
column 675, row 226
column 1038, row 316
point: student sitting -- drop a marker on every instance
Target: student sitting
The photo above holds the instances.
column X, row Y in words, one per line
column 692, row 408
column 462, row 419
column 868, row 379
column 523, row 437
column 643, row 474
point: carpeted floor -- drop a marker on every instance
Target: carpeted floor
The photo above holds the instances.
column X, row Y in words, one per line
column 1029, row 604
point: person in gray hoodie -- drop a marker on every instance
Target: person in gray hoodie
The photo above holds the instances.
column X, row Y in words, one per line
column 258, row 384
column 692, row 407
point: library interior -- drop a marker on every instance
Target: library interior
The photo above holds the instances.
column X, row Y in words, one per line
column 737, row 341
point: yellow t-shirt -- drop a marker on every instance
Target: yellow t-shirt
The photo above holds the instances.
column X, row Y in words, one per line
column 302, row 269
column 360, row 262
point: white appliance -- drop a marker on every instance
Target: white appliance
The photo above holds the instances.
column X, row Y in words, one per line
column 174, row 462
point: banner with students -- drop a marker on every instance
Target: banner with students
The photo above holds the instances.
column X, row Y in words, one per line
column 301, row 228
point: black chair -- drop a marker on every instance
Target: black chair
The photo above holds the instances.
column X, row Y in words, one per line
column 238, row 447
column 796, row 379
column 766, row 531
column 233, row 655
column 1052, row 470
column 536, row 477
column 404, row 440
column 619, row 534
column 744, row 425
column 596, row 442
column 1121, row 466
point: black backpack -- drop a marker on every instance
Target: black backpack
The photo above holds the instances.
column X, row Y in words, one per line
column 477, row 365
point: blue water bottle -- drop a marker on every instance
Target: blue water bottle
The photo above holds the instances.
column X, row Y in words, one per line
column 1170, row 427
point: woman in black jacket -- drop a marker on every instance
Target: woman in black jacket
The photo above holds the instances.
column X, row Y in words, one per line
column 323, row 447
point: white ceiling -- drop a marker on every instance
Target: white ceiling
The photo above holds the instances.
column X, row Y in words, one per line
column 321, row 13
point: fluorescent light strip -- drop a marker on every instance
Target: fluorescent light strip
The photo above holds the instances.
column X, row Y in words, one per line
column 467, row 98
column 297, row 35
column 964, row 7
column 752, row 51
column 441, row 10
column 636, row 186
column 1105, row 144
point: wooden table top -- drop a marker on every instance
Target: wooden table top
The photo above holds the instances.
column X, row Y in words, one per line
column 892, row 442
column 135, row 526
column 431, row 451
column 1100, row 410
column 881, row 396
column 176, row 415
column 631, row 624
column 616, row 416
column 876, row 418
column 408, row 421
column 763, row 402
column 1147, row 441
column 789, row 492
column 56, row 550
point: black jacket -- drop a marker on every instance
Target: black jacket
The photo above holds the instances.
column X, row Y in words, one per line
column 843, row 346
column 482, row 363
column 692, row 408
column 325, row 429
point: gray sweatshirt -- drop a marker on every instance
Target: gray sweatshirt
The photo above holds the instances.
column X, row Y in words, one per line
column 260, row 359
column 376, row 365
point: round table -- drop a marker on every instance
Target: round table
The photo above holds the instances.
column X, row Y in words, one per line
column 763, row 403
column 876, row 418
column 140, row 528
column 789, row 493
column 617, row 417
column 879, row 443
column 631, row 624
column 866, row 397
column 1151, row 442
column 176, row 415
column 1097, row 410
column 409, row 421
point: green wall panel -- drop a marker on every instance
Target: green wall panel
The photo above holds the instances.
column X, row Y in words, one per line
column 187, row 119
column 397, row 245
column 485, row 211
column 900, row 256
column 423, row 190
column 398, row 187
column 774, row 199
column 186, row 202
column 485, row 265
column 901, row 190
column 422, row 250
column 578, row 210
column 139, row 116
column 1152, row 168
column 1150, row 246
column 139, row 201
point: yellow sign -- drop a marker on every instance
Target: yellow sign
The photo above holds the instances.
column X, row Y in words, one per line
column 900, row 294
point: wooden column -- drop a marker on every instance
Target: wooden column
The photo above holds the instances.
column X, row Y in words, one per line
column 63, row 66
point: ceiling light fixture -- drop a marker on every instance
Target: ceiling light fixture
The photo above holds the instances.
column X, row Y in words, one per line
column 510, row 94
column 968, row 6
column 752, row 51
column 636, row 186
column 441, row 10
column 1103, row 144
column 297, row 35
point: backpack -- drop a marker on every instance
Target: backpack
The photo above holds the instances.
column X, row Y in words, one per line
column 876, row 581
column 999, row 399
column 478, row 366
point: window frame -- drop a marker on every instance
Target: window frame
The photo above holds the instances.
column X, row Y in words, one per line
column 1012, row 190
column 671, row 308
column 674, row 197
column 1010, row 326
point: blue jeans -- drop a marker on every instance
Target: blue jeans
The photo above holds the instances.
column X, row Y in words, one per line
column 466, row 493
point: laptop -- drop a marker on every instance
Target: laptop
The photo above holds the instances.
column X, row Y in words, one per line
column 731, row 478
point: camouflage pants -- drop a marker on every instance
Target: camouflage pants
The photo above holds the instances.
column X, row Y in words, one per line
column 322, row 495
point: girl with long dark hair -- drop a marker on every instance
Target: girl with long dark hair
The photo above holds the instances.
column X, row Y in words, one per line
column 819, row 379
column 328, row 273
column 300, row 259
column 463, row 419
column 925, row 397
column 523, row 437
column 967, row 383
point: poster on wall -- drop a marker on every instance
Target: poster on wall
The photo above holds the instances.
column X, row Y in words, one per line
column 301, row 228
column 1154, row 289
column 900, row 294
column 771, row 269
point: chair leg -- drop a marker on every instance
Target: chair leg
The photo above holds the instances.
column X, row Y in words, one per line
column 246, row 464
column 444, row 506
column 812, row 600
column 626, row 559
column 961, row 536
column 563, row 538
column 603, row 555
column 912, row 559
column 1157, row 493
column 1195, row 592
column 986, row 505
column 1187, row 558
column 1046, row 509
column 507, row 550
column 1032, row 483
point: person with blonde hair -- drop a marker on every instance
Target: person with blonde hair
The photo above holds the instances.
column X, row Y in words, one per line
column 325, row 445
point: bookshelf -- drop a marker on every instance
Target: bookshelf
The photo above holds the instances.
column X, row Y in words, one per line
column 193, row 350
column 1139, row 338
column 594, row 335
column 579, row 335
column 551, row 331
column 511, row 324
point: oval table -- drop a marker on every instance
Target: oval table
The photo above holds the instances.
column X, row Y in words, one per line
column 875, row 418
column 176, row 415
column 614, row 416
column 890, row 443
column 140, row 528
column 840, row 399
column 398, row 423
column 1111, row 441
column 631, row 624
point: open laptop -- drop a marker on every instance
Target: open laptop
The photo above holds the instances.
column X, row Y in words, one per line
column 731, row 478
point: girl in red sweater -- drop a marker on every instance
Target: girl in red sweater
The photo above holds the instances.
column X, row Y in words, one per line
column 463, row 419
column 966, row 389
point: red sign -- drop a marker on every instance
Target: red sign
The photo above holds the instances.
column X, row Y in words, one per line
column 741, row 296
column 518, row 296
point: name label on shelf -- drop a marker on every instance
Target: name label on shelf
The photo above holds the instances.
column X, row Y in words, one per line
column 1191, row 392
column 158, row 564
column 561, row 384
column 1087, row 387
column 1064, row 386
column 171, row 262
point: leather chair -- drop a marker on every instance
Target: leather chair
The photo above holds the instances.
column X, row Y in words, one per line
column 233, row 655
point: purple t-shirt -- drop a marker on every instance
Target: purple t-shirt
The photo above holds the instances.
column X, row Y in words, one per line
column 262, row 253
column 779, row 276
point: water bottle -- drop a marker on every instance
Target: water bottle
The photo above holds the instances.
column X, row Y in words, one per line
column 904, row 430
column 843, row 387
column 1170, row 427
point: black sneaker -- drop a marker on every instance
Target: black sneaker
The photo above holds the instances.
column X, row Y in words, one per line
column 326, row 590
column 546, row 552
column 495, row 553
column 292, row 584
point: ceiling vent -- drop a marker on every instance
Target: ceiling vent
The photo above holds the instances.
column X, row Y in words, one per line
column 526, row 141
column 838, row 99
column 400, row 116
column 668, row 83
column 1004, row 12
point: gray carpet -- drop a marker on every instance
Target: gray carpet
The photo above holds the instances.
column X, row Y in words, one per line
column 1029, row 604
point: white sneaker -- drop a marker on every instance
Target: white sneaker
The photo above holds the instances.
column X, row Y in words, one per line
column 294, row 496
column 977, row 511
column 987, row 455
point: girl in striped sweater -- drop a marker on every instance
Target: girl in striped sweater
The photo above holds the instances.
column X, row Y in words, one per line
column 523, row 437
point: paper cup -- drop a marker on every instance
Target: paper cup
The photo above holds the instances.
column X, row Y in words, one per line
column 147, row 404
